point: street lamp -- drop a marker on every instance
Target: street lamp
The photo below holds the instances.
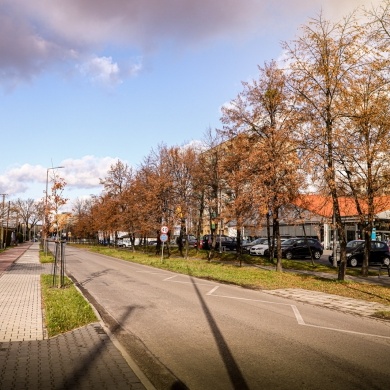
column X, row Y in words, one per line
column 45, row 216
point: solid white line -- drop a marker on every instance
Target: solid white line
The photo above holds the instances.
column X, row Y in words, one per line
column 170, row 278
column 349, row 331
column 248, row 299
column 299, row 318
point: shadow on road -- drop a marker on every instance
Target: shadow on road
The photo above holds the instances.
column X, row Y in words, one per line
column 235, row 374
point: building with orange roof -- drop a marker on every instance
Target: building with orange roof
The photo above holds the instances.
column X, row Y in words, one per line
column 312, row 214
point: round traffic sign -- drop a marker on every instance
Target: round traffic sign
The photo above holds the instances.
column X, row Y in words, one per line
column 164, row 229
column 164, row 237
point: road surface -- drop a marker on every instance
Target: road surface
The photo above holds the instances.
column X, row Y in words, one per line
column 185, row 332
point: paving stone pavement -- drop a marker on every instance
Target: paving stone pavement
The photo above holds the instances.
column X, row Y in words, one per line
column 85, row 358
column 346, row 305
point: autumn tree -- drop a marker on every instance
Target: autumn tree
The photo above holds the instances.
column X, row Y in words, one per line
column 83, row 225
column 181, row 163
column 321, row 61
column 114, row 184
column 236, row 198
column 211, row 188
column 264, row 113
column 54, row 201
column 158, row 201
column 365, row 172
column 132, row 214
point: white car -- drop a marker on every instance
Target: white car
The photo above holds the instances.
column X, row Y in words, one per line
column 261, row 249
column 258, row 250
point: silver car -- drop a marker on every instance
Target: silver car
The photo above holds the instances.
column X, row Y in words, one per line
column 261, row 249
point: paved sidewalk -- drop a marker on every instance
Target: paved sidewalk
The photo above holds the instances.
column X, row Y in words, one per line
column 85, row 358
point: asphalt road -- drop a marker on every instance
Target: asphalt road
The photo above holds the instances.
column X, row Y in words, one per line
column 185, row 332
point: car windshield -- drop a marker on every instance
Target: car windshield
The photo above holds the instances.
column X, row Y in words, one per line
column 258, row 241
column 288, row 242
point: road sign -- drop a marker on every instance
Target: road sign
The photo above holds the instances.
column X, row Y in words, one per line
column 164, row 237
column 164, row 229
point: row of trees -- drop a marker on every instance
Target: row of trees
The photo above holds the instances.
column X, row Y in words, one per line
column 318, row 122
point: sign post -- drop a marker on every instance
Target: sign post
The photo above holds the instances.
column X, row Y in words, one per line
column 163, row 238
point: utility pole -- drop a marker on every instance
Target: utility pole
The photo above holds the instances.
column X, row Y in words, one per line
column 2, row 222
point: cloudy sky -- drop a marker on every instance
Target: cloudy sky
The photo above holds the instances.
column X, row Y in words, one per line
column 84, row 83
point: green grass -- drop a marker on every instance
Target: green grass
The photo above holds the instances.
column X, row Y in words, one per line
column 48, row 258
column 225, row 269
column 65, row 308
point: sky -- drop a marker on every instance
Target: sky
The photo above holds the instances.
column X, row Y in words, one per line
column 85, row 83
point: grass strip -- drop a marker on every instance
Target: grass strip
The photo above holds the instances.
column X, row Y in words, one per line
column 225, row 269
column 65, row 308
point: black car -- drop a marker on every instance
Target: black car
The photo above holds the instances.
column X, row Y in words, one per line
column 301, row 248
column 230, row 243
column 379, row 253
column 192, row 241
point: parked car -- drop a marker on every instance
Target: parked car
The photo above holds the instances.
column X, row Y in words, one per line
column 225, row 241
column 302, row 247
column 379, row 253
column 246, row 247
column 192, row 241
column 228, row 244
column 262, row 249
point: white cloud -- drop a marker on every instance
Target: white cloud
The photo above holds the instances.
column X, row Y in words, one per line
column 105, row 72
column 81, row 176
column 101, row 70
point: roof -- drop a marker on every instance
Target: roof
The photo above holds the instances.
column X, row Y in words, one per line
column 323, row 205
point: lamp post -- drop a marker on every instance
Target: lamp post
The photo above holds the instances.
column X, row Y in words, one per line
column 45, row 216
column 2, row 224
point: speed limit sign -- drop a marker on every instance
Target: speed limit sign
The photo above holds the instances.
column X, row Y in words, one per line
column 164, row 229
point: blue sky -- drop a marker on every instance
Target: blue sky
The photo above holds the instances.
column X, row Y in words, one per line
column 84, row 83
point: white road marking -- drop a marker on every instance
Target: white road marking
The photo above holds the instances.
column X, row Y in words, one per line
column 298, row 315
column 349, row 331
column 295, row 310
column 211, row 291
column 170, row 278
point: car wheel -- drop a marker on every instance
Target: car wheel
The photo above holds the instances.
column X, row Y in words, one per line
column 353, row 262
column 289, row 255
column 317, row 255
column 266, row 252
column 386, row 261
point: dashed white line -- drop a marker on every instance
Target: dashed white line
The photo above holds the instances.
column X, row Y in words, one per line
column 211, row 291
column 298, row 315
